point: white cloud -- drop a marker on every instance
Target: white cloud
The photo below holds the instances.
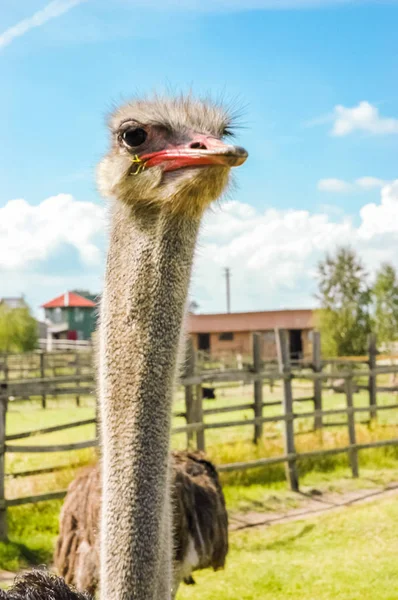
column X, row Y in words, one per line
column 272, row 253
column 364, row 117
column 340, row 186
column 369, row 183
column 30, row 234
column 54, row 9
column 380, row 219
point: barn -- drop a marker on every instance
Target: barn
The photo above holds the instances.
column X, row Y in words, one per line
column 232, row 333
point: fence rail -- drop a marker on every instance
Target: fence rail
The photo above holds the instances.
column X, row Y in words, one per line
column 319, row 373
column 50, row 344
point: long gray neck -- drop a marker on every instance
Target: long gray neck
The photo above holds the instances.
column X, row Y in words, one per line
column 147, row 278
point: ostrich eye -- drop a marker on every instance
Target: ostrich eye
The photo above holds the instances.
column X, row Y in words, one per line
column 134, row 137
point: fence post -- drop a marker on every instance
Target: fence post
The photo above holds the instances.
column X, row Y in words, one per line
column 258, row 388
column 372, row 348
column 200, row 433
column 189, row 371
column 42, row 376
column 317, row 368
column 3, row 507
column 284, row 362
column 353, row 452
column 77, row 373
column 6, row 374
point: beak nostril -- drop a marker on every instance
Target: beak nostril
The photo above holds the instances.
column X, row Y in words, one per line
column 197, row 146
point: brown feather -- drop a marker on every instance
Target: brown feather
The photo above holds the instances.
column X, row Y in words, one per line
column 199, row 514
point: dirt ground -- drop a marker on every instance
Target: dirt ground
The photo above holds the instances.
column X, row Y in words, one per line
column 312, row 503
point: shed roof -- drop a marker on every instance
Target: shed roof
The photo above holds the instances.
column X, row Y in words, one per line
column 251, row 321
column 14, row 301
column 69, row 299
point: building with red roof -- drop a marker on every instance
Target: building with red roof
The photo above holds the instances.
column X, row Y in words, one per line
column 69, row 299
column 72, row 315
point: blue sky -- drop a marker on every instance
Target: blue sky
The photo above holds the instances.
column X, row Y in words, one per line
column 318, row 82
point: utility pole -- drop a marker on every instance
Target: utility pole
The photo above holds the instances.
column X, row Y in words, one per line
column 228, row 287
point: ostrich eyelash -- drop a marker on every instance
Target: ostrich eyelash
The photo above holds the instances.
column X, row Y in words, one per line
column 227, row 132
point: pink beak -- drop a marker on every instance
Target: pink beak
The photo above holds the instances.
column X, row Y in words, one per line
column 200, row 151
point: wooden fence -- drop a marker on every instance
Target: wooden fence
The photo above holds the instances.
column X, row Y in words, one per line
column 317, row 373
column 52, row 345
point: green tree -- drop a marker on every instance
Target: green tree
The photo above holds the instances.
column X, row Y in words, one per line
column 344, row 317
column 18, row 330
column 385, row 300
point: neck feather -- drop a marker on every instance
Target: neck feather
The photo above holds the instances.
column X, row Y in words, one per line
column 147, row 278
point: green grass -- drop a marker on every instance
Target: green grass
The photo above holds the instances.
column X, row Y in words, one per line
column 350, row 555
column 33, row 528
column 275, row 497
column 222, row 445
column 27, row 416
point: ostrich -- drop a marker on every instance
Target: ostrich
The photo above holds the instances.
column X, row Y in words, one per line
column 41, row 585
column 167, row 163
column 200, row 523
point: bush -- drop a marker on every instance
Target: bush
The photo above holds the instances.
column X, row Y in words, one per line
column 18, row 330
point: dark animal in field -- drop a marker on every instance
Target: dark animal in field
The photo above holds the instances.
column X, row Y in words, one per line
column 41, row 585
column 209, row 393
column 200, row 523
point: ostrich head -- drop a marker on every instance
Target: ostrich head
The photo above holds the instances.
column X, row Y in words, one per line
column 170, row 153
